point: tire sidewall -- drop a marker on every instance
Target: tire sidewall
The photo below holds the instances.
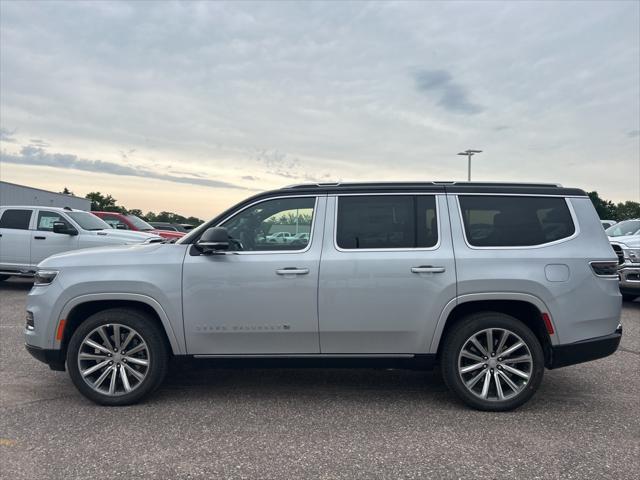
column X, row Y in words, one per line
column 475, row 323
column 147, row 328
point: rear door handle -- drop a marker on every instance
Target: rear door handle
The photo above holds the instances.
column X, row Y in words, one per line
column 292, row 271
column 427, row 269
column 40, row 238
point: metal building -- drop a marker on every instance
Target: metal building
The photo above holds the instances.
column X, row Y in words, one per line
column 13, row 194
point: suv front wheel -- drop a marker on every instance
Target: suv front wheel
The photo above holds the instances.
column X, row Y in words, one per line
column 117, row 357
column 492, row 361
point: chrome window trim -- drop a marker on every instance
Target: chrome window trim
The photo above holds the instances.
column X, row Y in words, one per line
column 271, row 252
column 574, row 218
column 413, row 194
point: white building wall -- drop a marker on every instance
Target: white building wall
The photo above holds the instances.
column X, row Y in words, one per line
column 13, row 194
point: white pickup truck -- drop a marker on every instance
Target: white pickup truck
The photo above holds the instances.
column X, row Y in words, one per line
column 28, row 235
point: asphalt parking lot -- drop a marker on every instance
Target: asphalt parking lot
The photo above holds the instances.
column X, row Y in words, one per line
column 287, row 423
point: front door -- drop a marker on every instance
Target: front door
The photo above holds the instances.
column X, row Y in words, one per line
column 387, row 273
column 261, row 297
column 44, row 242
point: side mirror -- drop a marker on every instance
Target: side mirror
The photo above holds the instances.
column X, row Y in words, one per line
column 121, row 226
column 213, row 240
column 63, row 228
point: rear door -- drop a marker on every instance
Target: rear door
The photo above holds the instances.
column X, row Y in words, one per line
column 44, row 242
column 387, row 271
column 15, row 238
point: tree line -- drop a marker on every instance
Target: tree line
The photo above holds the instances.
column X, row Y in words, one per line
column 106, row 203
column 607, row 210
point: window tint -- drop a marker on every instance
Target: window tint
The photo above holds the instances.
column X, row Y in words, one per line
column 387, row 221
column 16, row 219
column 113, row 222
column 493, row 221
column 273, row 225
column 46, row 219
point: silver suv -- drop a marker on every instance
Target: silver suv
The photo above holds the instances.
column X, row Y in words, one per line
column 493, row 282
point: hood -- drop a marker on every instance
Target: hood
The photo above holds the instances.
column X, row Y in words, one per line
column 632, row 241
column 96, row 256
column 126, row 236
column 168, row 233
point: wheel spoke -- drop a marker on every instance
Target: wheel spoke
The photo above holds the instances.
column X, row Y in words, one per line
column 471, row 368
column 503, row 339
column 475, row 341
column 512, row 349
column 95, row 368
column 105, row 338
column 134, row 372
column 114, row 376
column 127, row 340
column 490, row 341
column 509, row 382
column 137, row 361
column 471, row 383
column 92, row 356
column 102, row 377
column 468, row 354
column 137, row 348
column 96, row 345
column 486, row 384
column 125, row 379
column 116, row 336
column 496, row 378
column 522, row 359
column 515, row 371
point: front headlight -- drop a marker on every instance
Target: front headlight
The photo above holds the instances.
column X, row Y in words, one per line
column 44, row 277
column 632, row 254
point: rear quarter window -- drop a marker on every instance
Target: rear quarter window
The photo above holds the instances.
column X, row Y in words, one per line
column 512, row 221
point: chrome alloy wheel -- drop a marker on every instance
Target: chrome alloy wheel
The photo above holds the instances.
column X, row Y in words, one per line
column 495, row 364
column 114, row 359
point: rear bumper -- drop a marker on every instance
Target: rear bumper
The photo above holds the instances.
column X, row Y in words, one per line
column 53, row 358
column 585, row 350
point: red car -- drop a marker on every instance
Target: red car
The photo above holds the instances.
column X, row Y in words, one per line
column 131, row 222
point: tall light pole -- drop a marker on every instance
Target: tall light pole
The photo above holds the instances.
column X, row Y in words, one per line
column 469, row 154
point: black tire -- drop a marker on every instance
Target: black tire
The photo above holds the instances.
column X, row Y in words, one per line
column 627, row 297
column 473, row 324
column 4, row 277
column 152, row 335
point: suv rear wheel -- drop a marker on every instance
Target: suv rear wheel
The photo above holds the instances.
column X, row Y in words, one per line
column 117, row 357
column 492, row 361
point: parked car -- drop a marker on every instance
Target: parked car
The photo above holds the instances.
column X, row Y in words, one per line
column 607, row 223
column 187, row 226
column 169, row 227
column 121, row 221
column 279, row 237
column 625, row 240
column 28, row 235
column 394, row 274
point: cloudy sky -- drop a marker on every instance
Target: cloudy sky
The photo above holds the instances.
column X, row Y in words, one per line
column 190, row 107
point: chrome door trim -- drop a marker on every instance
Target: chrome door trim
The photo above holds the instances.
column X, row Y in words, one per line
column 356, row 250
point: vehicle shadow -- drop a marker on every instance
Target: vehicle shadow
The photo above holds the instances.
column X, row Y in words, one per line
column 17, row 284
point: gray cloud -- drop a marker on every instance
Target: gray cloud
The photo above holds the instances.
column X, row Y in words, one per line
column 451, row 95
column 7, row 135
column 32, row 155
column 633, row 134
column 37, row 142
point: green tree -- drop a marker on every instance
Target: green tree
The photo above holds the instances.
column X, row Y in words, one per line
column 137, row 212
column 66, row 191
column 104, row 203
column 627, row 210
column 606, row 209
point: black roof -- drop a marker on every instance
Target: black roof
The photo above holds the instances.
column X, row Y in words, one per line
column 444, row 187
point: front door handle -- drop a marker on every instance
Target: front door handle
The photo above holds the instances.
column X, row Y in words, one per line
column 427, row 269
column 40, row 238
column 292, row 271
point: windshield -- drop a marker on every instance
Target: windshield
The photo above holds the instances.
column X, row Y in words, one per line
column 139, row 223
column 628, row 227
column 88, row 221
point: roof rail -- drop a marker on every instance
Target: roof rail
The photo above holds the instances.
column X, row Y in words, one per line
column 427, row 182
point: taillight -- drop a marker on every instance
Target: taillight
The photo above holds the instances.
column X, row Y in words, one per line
column 605, row 269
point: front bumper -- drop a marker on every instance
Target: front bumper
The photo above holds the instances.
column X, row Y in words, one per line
column 629, row 277
column 53, row 358
column 585, row 350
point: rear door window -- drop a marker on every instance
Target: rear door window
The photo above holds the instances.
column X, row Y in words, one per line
column 512, row 221
column 386, row 222
column 15, row 219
